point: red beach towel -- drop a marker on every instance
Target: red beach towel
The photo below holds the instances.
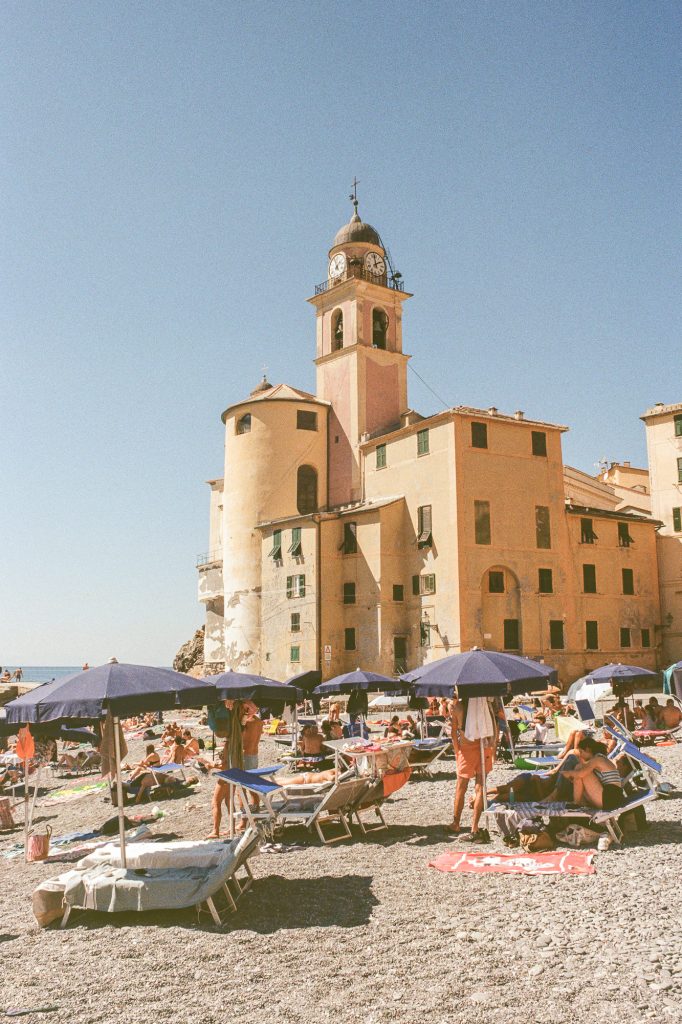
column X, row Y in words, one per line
column 558, row 862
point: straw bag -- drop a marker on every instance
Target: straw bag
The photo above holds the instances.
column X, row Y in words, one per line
column 39, row 845
column 536, row 842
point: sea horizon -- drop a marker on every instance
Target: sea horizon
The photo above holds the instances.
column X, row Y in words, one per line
column 44, row 673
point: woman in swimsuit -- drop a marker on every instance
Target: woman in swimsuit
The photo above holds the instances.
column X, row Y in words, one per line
column 597, row 781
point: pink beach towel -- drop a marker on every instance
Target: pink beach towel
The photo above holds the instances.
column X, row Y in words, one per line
column 558, row 862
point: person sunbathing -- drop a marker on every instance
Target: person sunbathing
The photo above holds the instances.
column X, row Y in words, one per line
column 150, row 760
column 653, row 720
column 596, row 781
column 538, row 732
column 671, row 714
column 393, row 726
column 311, row 741
column 332, row 730
column 176, row 753
column 190, row 743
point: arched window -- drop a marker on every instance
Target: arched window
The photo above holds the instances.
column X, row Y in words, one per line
column 379, row 328
column 244, row 423
column 337, row 330
column 306, row 490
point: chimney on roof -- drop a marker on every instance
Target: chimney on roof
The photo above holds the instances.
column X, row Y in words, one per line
column 625, row 465
column 492, row 411
column 659, row 405
column 518, row 415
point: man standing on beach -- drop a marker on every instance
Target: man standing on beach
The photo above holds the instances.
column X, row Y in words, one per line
column 474, row 730
column 251, row 728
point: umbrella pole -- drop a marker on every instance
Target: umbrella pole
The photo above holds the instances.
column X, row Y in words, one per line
column 35, row 796
column 485, row 783
column 119, row 793
column 26, row 809
column 294, row 734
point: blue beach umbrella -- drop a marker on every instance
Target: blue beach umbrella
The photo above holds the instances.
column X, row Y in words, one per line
column 244, row 686
column 358, row 680
column 479, row 673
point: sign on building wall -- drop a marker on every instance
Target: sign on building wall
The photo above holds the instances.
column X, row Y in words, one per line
column 328, row 653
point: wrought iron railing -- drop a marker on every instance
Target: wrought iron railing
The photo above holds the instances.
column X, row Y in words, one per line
column 208, row 558
column 393, row 281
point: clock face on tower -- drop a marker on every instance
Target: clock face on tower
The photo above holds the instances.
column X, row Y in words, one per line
column 337, row 265
column 374, row 264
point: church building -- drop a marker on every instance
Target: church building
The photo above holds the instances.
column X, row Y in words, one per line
column 348, row 530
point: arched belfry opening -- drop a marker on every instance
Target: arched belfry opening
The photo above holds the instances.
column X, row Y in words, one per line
column 337, row 330
column 244, row 423
column 379, row 328
column 306, row 490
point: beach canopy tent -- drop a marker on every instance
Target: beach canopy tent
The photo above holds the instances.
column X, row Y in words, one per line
column 479, row 673
column 113, row 689
column 677, row 680
column 668, row 681
column 117, row 688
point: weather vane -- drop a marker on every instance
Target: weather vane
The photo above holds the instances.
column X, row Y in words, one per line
column 354, row 194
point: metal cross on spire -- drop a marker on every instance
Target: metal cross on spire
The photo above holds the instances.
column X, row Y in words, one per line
column 354, row 194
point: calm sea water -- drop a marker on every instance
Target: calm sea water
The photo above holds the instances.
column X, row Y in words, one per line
column 43, row 673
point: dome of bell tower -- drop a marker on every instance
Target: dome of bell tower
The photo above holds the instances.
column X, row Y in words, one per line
column 356, row 231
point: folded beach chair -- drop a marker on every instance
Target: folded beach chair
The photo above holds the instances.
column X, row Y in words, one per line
column 425, row 754
column 311, row 805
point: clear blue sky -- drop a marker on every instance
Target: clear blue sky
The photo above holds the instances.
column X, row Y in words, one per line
column 172, row 177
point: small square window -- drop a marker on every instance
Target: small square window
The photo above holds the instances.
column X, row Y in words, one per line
column 677, row 520
column 482, row 531
column 589, row 579
column 545, row 583
column 295, row 626
column 276, row 550
column 556, row 634
column 679, row 471
column 398, row 592
column 294, row 654
column 624, row 538
column 646, row 638
column 543, row 536
column 425, row 584
column 479, row 435
column 592, row 635
column 422, row 442
column 496, row 582
column 349, row 639
column 295, row 548
column 625, row 640
column 424, row 538
column 349, row 544
column 587, row 534
column 381, row 456
column 295, row 586
column 349, row 593
column 512, row 635
column 539, row 442
column 306, row 420
column 628, row 581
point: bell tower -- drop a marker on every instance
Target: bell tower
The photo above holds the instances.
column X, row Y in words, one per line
column 361, row 367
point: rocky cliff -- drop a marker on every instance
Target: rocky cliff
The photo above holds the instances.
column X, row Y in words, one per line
column 190, row 657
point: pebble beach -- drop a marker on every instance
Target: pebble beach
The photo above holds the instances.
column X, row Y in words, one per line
column 363, row 930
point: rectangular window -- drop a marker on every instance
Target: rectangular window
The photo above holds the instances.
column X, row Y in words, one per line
column 295, row 586
column 545, row 583
column 424, row 634
column 543, row 534
column 677, row 520
column 482, row 522
column 479, row 435
column 399, row 654
column 496, row 582
column 424, row 538
column 276, row 551
column 624, row 538
column 591, row 636
column 511, row 635
column 381, row 456
column 349, row 639
column 295, row 622
column 398, row 592
column 587, row 534
column 425, row 584
column 589, row 579
column 625, row 640
column 628, row 581
column 349, row 544
column 679, row 471
column 556, row 634
column 539, row 442
column 349, row 593
column 295, row 548
column 678, row 426
column 646, row 638
column 306, row 420
column 294, row 654
column 422, row 442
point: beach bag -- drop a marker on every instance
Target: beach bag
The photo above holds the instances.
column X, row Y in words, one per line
column 39, row 845
column 219, row 720
column 578, row 835
column 536, row 842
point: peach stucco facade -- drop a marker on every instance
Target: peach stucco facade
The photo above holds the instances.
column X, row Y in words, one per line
column 348, row 530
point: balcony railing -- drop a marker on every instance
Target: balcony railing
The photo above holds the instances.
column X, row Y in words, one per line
column 395, row 281
column 208, row 558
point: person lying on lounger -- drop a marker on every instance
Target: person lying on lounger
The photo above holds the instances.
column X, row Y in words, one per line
column 596, row 781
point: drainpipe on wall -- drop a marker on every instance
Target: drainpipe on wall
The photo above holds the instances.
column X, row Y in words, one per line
column 318, row 594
